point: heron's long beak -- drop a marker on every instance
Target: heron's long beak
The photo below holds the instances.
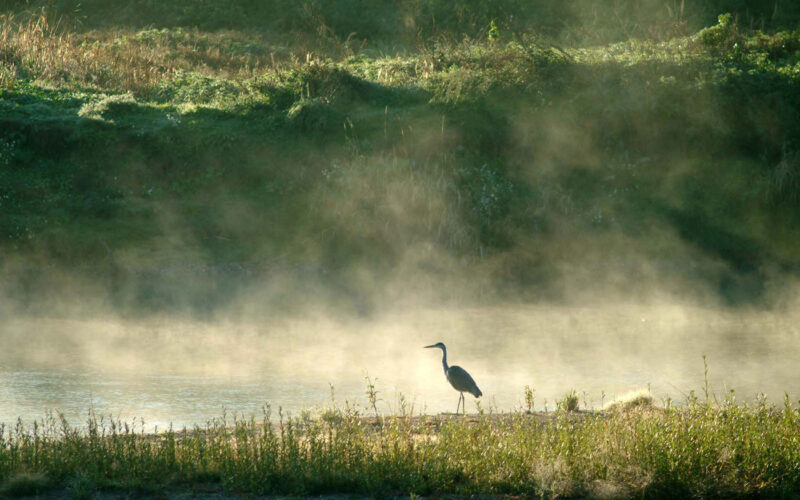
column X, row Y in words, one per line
column 429, row 346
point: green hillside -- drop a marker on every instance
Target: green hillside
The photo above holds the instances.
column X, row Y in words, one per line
column 215, row 157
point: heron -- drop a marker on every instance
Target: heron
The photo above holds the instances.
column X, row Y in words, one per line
column 458, row 378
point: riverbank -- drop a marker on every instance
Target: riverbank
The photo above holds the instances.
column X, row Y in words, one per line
column 698, row 449
column 152, row 171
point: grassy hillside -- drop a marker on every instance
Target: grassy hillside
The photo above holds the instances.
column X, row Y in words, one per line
column 205, row 156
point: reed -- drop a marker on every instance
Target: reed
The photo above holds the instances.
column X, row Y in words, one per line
column 695, row 449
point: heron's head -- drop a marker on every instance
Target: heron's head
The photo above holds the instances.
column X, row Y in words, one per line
column 438, row 344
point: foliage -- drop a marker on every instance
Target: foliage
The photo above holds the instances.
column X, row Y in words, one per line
column 512, row 161
column 494, row 32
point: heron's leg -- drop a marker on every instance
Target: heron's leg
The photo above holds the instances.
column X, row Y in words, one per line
column 458, row 405
column 463, row 404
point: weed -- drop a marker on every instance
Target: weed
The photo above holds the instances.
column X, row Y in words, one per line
column 372, row 394
column 569, row 402
column 494, row 32
column 529, row 399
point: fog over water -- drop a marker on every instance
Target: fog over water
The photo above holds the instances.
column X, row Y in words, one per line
column 188, row 372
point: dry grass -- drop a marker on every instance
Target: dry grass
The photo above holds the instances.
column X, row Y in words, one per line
column 35, row 48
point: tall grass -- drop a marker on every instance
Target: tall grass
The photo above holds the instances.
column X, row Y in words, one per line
column 401, row 24
column 697, row 449
column 37, row 47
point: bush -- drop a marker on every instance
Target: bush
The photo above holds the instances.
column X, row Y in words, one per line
column 724, row 36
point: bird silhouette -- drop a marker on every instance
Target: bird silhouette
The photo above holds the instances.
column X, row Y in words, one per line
column 458, row 378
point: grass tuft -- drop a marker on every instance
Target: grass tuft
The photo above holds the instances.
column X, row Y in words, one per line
column 569, row 402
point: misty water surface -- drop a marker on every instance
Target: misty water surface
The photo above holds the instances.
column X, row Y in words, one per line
column 187, row 373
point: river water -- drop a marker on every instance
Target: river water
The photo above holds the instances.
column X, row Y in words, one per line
column 184, row 373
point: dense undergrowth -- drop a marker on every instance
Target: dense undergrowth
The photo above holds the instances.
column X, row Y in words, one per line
column 181, row 156
column 698, row 450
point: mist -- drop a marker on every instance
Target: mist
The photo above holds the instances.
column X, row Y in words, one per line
column 244, row 218
column 188, row 372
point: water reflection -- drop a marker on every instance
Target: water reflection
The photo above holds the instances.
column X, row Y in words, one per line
column 159, row 400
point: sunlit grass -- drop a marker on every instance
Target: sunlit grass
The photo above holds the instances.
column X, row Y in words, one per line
column 152, row 63
column 37, row 48
column 156, row 63
column 693, row 449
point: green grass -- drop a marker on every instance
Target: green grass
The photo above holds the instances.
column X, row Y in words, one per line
column 696, row 449
column 175, row 166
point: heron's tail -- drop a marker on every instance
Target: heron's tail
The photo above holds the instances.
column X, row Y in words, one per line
column 477, row 392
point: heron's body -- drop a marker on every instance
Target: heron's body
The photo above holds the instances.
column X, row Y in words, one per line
column 458, row 378
column 461, row 381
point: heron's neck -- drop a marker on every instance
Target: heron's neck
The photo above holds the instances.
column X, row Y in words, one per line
column 444, row 360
